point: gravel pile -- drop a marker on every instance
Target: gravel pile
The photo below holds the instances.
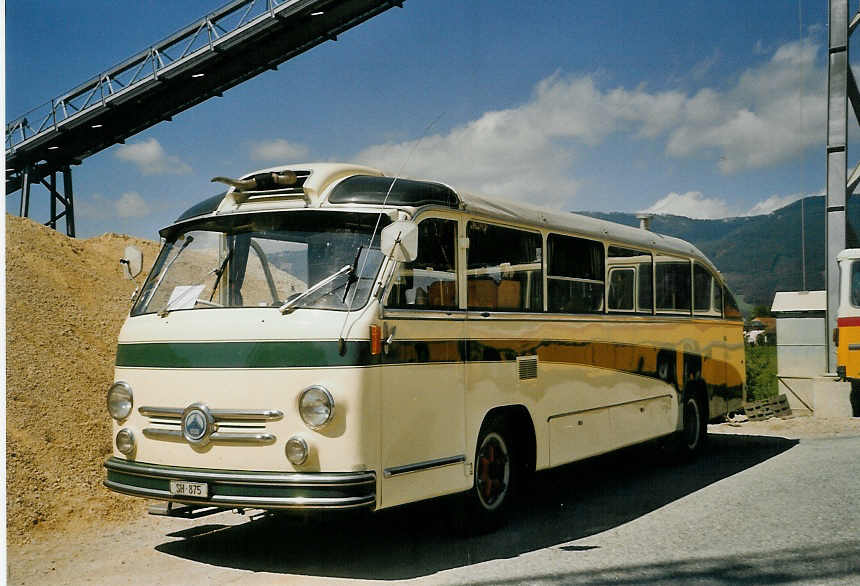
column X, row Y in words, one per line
column 66, row 300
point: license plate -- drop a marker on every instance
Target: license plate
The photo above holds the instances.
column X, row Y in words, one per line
column 185, row 488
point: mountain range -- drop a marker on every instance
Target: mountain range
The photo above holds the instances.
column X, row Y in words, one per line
column 759, row 255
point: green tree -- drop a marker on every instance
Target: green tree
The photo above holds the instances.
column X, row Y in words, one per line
column 761, row 372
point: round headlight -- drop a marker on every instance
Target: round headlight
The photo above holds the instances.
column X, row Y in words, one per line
column 125, row 442
column 297, row 450
column 119, row 400
column 316, row 406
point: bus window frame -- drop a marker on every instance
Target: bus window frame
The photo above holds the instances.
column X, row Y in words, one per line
column 854, row 297
column 547, row 276
column 466, row 271
column 712, row 311
column 678, row 260
column 430, row 313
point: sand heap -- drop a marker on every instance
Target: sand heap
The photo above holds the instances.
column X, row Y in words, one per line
column 66, row 300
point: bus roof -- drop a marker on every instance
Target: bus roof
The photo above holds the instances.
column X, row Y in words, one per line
column 336, row 184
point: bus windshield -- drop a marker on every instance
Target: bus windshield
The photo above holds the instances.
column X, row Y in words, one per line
column 266, row 260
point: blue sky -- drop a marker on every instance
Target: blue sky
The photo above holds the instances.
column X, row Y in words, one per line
column 700, row 108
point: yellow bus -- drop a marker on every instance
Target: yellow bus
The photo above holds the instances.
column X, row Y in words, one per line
column 847, row 333
column 325, row 336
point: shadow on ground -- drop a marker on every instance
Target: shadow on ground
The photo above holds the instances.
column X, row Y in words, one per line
column 837, row 563
column 564, row 504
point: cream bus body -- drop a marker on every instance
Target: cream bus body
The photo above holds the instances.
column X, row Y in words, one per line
column 518, row 340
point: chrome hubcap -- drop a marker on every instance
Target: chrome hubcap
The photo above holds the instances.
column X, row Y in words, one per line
column 493, row 472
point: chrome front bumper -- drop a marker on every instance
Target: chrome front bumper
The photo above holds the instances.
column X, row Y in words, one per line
column 241, row 489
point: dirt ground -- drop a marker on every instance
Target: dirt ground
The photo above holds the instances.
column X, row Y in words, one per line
column 793, row 428
column 65, row 302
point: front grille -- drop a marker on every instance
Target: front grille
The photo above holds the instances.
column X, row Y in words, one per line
column 236, row 426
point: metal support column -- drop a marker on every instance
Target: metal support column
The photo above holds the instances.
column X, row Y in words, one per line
column 70, row 201
column 49, row 180
column 25, row 192
column 837, row 118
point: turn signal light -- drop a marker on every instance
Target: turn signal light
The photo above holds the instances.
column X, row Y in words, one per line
column 375, row 340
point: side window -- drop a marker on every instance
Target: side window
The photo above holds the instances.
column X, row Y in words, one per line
column 622, row 289
column 430, row 281
column 703, row 286
column 633, row 287
column 674, row 286
column 718, row 297
column 731, row 307
column 504, row 268
column 575, row 274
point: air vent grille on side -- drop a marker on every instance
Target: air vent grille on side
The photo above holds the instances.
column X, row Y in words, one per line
column 527, row 367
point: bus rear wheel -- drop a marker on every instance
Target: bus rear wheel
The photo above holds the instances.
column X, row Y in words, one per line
column 495, row 479
column 687, row 443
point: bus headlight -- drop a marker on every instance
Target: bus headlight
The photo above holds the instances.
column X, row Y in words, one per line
column 297, row 450
column 120, row 400
column 316, row 406
column 125, row 442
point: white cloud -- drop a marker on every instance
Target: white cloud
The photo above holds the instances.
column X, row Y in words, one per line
column 774, row 112
column 131, row 205
column 278, row 150
column 692, row 204
column 528, row 151
column 151, row 158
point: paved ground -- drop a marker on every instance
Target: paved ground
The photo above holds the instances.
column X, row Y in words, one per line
column 753, row 510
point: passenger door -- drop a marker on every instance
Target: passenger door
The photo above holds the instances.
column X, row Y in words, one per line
column 422, row 420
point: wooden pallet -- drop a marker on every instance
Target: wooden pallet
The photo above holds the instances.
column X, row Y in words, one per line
column 767, row 408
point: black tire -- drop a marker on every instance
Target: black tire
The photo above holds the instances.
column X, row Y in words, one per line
column 496, row 478
column 690, row 441
column 695, row 429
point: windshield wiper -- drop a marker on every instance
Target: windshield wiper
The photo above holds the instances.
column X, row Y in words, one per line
column 185, row 244
column 220, row 271
column 353, row 274
column 290, row 305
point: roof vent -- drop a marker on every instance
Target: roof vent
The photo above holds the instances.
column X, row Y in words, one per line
column 644, row 221
column 271, row 185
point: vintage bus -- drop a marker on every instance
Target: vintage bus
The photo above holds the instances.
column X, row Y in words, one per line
column 325, row 336
column 847, row 332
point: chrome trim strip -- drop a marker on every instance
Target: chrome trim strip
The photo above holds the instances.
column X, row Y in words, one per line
column 161, row 411
column 569, row 413
column 248, row 501
column 217, row 436
column 242, row 438
column 218, row 414
column 276, row 478
column 247, row 414
column 426, row 465
column 156, row 433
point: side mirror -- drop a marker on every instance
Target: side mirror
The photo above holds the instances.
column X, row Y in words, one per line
column 132, row 262
column 399, row 240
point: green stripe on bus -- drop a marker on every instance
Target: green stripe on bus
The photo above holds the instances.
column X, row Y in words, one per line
column 306, row 354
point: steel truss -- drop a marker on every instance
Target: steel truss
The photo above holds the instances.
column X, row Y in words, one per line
column 232, row 44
